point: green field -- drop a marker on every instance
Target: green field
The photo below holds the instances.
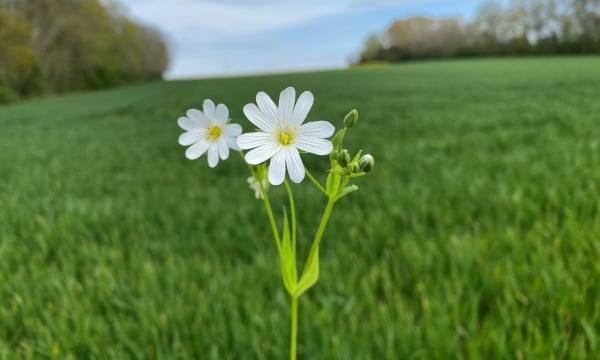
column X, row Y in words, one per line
column 477, row 235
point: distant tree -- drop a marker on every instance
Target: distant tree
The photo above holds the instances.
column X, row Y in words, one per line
column 154, row 54
column 513, row 27
column 587, row 16
column 372, row 49
column 448, row 36
column 75, row 44
column 19, row 66
column 422, row 37
column 534, row 19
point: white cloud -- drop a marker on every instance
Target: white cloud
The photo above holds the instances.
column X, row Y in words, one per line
column 232, row 36
column 202, row 33
column 230, row 17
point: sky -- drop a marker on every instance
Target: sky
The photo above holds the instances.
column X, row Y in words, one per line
column 230, row 37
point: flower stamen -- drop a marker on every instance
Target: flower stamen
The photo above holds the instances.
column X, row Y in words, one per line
column 214, row 132
column 285, row 137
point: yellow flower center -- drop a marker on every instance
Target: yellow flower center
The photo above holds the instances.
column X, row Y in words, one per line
column 285, row 137
column 214, row 132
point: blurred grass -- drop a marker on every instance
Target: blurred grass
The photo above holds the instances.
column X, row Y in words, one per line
column 476, row 236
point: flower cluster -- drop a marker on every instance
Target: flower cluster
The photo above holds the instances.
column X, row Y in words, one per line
column 280, row 136
column 208, row 130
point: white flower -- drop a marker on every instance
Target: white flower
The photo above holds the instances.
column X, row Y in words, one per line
column 282, row 134
column 255, row 185
column 209, row 131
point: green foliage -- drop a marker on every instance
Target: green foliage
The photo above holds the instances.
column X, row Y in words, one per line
column 477, row 235
column 520, row 27
column 64, row 45
column 19, row 65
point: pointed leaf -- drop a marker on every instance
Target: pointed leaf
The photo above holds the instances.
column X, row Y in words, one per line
column 310, row 274
column 357, row 156
column 347, row 190
column 288, row 258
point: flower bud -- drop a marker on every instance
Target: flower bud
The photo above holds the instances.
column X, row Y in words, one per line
column 366, row 163
column 344, row 158
column 334, row 155
column 338, row 138
column 351, row 118
column 348, row 170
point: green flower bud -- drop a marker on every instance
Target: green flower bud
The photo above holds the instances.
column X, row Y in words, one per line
column 366, row 163
column 348, row 170
column 344, row 158
column 351, row 118
column 338, row 138
column 334, row 155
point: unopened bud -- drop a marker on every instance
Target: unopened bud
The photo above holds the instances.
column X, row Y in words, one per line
column 344, row 158
column 366, row 163
column 351, row 118
column 334, row 155
column 338, row 138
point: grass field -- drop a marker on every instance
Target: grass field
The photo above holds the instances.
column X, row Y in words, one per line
column 476, row 236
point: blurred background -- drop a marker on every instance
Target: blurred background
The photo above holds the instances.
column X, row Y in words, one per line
column 475, row 236
column 59, row 45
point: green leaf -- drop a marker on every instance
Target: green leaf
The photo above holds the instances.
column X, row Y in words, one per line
column 310, row 274
column 357, row 156
column 287, row 257
column 589, row 333
column 347, row 190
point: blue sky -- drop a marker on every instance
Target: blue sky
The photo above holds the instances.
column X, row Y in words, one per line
column 228, row 37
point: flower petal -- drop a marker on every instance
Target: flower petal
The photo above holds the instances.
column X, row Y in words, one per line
column 199, row 116
column 294, row 164
column 196, row 150
column 258, row 118
column 317, row 129
column 254, row 139
column 310, row 136
column 209, row 109
column 188, row 124
column 261, row 153
column 222, row 114
column 189, row 138
column 277, row 168
column 213, row 155
column 232, row 143
column 233, row 130
column 302, row 107
column 267, row 106
column 223, row 148
column 314, row 145
column 231, row 133
column 286, row 105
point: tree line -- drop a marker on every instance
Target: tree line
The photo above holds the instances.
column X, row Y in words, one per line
column 516, row 27
column 64, row 45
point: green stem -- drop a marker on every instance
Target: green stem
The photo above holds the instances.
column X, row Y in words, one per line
column 314, row 249
column 271, row 217
column 322, row 225
column 314, row 181
column 294, row 329
column 267, row 205
column 288, row 188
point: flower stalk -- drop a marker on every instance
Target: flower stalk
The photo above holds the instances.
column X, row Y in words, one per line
column 281, row 137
